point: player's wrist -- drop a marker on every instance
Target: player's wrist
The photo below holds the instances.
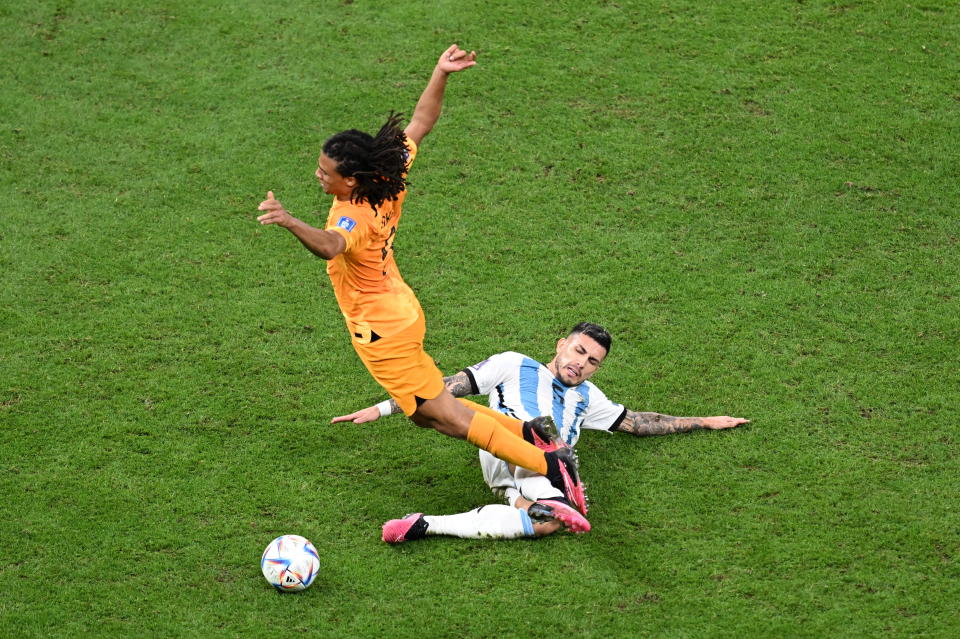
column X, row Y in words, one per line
column 385, row 408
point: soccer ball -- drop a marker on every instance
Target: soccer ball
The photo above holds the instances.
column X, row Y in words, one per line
column 290, row 563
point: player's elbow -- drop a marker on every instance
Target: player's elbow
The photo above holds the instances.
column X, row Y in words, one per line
column 418, row 128
column 324, row 254
column 331, row 244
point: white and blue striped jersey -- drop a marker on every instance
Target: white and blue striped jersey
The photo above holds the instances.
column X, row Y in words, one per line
column 524, row 388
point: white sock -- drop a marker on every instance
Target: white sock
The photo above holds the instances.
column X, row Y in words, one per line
column 534, row 490
column 494, row 521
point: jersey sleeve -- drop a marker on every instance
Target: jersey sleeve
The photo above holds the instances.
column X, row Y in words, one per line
column 349, row 223
column 602, row 414
column 411, row 153
column 486, row 375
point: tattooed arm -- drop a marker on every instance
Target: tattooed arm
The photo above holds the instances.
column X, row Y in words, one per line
column 656, row 424
column 458, row 385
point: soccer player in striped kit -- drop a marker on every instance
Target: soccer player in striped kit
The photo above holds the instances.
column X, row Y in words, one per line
column 522, row 387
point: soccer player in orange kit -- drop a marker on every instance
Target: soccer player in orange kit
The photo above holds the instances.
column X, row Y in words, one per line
column 367, row 177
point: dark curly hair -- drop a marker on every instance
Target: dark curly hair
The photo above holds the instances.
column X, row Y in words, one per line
column 378, row 163
column 597, row 332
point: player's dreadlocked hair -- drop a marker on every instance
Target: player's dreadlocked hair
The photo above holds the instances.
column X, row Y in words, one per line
column 378, row 163
column 597, row 332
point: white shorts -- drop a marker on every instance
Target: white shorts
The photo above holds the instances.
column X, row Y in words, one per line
column 500, row 476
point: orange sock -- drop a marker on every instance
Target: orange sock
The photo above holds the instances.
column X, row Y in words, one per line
column 487, row 434
column 512, row 424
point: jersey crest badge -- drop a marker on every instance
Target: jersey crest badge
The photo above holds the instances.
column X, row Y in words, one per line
column 346, row 223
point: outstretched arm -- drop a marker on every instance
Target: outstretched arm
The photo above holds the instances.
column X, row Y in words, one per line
column 656, row 424
column 458, row 385
column 320, row 242
column 428, row 108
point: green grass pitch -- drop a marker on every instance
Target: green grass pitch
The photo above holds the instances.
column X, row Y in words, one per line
column 759, row 200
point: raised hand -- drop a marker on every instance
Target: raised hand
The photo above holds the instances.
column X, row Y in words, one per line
column 275, row 213
column 456, row 59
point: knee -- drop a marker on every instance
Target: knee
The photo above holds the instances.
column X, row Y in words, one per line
column 452, row 428
column 452, row 423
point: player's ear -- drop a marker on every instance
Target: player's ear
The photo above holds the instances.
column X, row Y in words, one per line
column 351, row 182
column 560, row 343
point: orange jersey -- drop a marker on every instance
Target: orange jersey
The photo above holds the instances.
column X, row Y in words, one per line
column 366, row 281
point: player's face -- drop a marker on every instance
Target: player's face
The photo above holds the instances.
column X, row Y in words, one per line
column 578, row 357
column 331, row 180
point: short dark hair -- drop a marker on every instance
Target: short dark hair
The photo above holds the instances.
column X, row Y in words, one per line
column 378, row 162
column 595, row 331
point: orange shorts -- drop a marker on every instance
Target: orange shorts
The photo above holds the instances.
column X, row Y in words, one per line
column 402, row 367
